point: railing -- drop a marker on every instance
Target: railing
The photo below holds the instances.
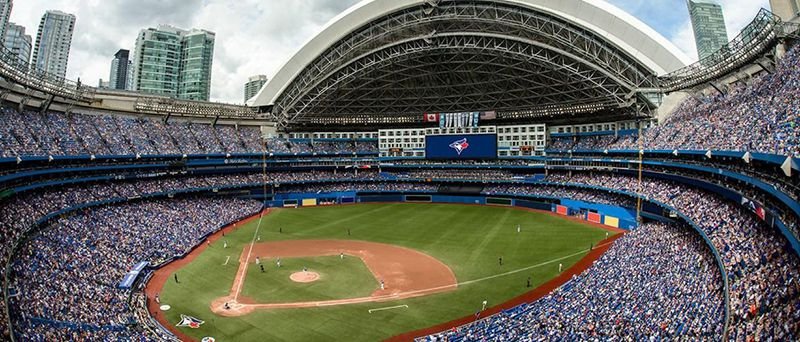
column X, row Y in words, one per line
column 16, row 70
column 171, row 106
column 755, row 39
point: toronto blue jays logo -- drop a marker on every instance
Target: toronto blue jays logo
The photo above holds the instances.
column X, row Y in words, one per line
column 460, row 145
column 189, row 321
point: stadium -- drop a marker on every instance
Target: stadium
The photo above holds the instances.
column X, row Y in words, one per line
column 420, row 170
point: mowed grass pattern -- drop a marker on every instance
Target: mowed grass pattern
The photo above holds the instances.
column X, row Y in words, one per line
column 469, row 239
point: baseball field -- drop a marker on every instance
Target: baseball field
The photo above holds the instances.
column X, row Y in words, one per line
column 365, row 272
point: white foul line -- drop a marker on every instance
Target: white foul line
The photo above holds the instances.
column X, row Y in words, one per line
column 247, row 259
column 388, row 308
column 416, row 292
column 468, row 282
column 533, row 266
column 226, row 260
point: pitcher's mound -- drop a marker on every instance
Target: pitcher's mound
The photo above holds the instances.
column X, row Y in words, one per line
column 304, row 277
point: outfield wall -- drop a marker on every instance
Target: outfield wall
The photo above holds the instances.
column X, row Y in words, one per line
column 613, row 216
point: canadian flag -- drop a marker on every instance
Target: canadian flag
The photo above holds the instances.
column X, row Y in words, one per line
column 431, row 117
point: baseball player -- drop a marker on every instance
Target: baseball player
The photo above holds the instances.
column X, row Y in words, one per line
column 519, row 229
column 279, row 262
column 383, row 285
column 258, row 261
column 341, row 255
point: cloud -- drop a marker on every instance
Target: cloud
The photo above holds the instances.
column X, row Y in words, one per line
column 262, row 37
column 252, row 36
column 258, row 36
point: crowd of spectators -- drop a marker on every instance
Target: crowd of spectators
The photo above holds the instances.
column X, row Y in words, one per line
column 763, row 116
column 510, row 162
column 32, row 134
column 66, row 277
column 286, row 146
column 659, row 282
column 763, row 270
column 363, row 187
column 556, row 192
column 587, row 142
column 462, row 174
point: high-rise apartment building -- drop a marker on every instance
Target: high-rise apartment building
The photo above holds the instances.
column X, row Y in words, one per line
column 53, row 41
column 708, row 23
column 174, row 62
column 156, row 61
column 197, row 55
column 18, row 43
column 121, row 71
column 5, row 15
column 253, row 85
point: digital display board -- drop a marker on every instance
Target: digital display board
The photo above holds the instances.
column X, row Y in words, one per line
column 461, row 146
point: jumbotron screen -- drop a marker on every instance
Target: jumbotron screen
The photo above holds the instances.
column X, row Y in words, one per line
column 461, row 146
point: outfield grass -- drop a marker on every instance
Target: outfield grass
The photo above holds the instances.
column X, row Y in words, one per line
column 339, row 278
column 469, row 239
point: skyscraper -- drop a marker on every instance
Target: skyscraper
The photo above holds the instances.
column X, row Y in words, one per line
column 5, row 15
column 18, row 42
column 197, row 55
column 156, row 61
column 121, row 68
column 708, row 23
column 53, row 41
column 174, row 62
column 253, row 85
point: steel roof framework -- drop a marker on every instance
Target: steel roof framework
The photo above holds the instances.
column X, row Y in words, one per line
column 462, row 56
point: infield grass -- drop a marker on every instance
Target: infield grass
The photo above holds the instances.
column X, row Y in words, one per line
column 339, row 278
column 469, row 239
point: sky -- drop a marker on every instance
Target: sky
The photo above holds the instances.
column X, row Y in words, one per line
column 257, row 36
